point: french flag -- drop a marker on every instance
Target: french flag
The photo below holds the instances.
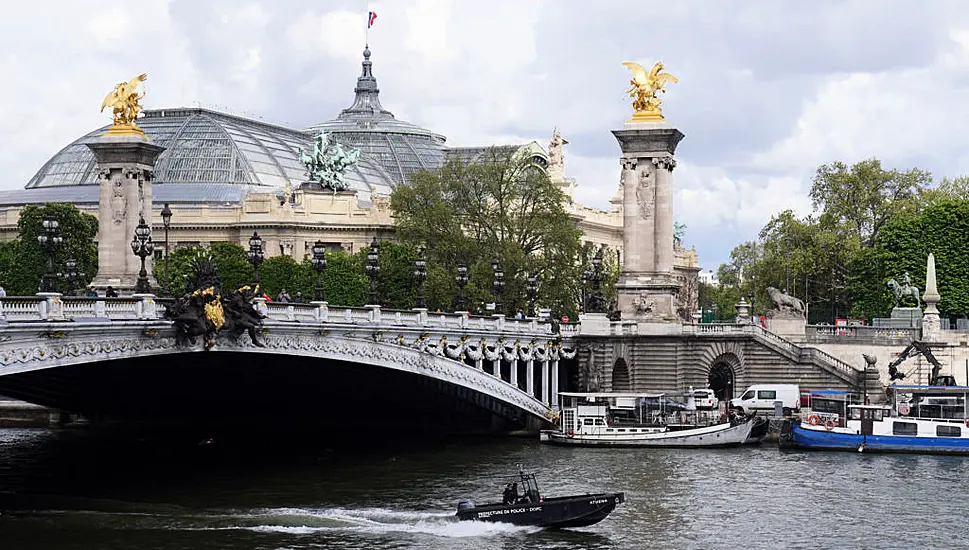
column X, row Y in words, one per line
column 371, row 18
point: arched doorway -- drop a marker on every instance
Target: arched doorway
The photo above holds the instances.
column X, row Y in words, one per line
column 620, row 376
column 722, row 381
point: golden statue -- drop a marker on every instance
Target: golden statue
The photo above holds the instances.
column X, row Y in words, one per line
column 643, row 89
column 125, row 106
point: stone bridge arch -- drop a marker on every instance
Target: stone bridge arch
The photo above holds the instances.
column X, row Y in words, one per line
column 40, row 370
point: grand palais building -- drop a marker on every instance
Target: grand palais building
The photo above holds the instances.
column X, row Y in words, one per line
column 225, row 176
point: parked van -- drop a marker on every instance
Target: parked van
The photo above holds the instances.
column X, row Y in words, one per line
column 762, row 396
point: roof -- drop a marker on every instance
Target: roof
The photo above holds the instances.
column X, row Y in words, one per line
column 399, row 147
column 210, row 147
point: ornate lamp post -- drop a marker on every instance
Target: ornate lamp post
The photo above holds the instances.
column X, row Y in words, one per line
column 143, row 247
column 70, row 274
column 531, row 287
column 462, row 281
column 420, row 275
column 596, row 305
column 319, row 264
column 50, row 240
column 255, row 257
column 498, row 285
column 373, row 268
column 166, row 215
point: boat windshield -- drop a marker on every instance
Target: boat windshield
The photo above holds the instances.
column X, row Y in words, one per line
column 530, row 487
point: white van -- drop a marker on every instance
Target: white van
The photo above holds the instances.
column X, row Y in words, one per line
column 762, row 397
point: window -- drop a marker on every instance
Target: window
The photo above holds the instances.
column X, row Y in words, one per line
column 767, row 394
column 854, row 413
column 905, row 428
column 948, row 431
column 748, row 395
column 587, row 421
column 600, row 422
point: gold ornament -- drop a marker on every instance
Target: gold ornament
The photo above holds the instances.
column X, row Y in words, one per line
column 643, row 89
column 125, row 106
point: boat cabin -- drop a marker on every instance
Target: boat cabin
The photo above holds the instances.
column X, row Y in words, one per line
column 594, row 413
column 931, row 402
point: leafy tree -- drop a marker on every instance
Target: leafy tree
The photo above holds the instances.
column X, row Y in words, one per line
column 499, row 207
column 344, row 281
column 179, row 268
column 28, row 261
column 279, row 273
column 863, row 198
column 232, row 264
column 395, row 280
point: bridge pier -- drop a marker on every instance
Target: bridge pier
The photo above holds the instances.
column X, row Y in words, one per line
column 545, row 382
column 555, row 385
column 530, row 377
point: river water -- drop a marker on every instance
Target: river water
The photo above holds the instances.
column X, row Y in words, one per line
column 65, row 489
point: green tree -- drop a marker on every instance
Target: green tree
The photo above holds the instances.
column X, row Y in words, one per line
column 344, row 281
column 232, row 264
column 396, row 285
column 281, row 273
column 499, row 207
column 179, row 261
column 78, row 230
column 861, row 199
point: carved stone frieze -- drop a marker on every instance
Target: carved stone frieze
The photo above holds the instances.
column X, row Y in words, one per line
column 645, row 194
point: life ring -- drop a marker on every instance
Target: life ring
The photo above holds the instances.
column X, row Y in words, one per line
column 571, row 433
column 904, row 409
column 829, row 424
column 814, row 420
column 967, row 422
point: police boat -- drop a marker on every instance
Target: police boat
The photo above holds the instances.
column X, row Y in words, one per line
column 531, row 508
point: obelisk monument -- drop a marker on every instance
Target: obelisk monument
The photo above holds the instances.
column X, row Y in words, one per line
column 647, row 288
column 126, row 163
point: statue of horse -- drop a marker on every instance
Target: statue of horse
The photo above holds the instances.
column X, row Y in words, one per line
column 901, row 292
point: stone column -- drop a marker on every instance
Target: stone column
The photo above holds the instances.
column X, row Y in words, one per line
column 647, row 288
column 555, row 384
column 545, row 382
column 125, row 167
column 663, row 244
column 514, row 372
column 496, row 365
column 530, row 373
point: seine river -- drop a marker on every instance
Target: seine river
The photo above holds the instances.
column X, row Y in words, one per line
column 70, row 490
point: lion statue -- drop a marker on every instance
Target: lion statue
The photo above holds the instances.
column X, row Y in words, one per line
column 785, row 303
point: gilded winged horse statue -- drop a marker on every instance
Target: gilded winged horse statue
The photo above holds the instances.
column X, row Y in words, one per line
column 125, row 106
column 643, row 89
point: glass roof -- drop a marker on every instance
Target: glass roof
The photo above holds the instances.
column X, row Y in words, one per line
column 399, row 147
column 208, row 147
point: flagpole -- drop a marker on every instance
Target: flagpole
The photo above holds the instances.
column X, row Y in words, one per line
column 367, row 36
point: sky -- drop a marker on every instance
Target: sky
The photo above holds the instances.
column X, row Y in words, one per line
column 768, row 90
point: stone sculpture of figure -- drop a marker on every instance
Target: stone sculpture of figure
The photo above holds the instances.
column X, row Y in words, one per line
column 328, row 162
column 556, row 158
column 903, row 289
column 785, row 303
column 643, row 304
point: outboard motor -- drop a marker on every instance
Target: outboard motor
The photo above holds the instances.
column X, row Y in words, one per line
column 464, row 505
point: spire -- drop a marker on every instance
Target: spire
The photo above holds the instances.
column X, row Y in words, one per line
column 367, row 100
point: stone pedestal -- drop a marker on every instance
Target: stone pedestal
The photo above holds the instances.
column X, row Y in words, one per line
column 647, row 288
column 125, row 168
column 905, row 317
column 790, row 327
column 594, row 324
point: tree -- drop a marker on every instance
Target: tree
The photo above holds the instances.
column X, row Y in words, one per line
column 499, row 207
column 232, row 265
column 279, row 273
column 863, row 198
column 29, row 261
column 344, row 281
column 396, row 285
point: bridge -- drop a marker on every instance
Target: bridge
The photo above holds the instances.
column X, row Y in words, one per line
column 118, row 358
column 348, row 367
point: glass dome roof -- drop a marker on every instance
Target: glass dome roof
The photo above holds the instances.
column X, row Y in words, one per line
column 204, row 146
column 401, row 148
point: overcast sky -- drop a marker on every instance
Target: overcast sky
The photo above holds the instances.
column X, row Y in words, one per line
column 768, row 90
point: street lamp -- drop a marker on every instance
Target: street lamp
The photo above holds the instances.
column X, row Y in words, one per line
column 373, row 268
column 255, row 257
column 166, row 215
column 596, row 305
column 531, row 287
column 143, row 247
column 462, row 281
column 420, row 275
column 50, row 240
column 70, row 274
column 586, row 274
column 498, row 285
column 319, row 264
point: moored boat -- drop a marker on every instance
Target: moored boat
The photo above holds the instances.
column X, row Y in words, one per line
column 921, row 419
column 531, row 508
column 648, row 420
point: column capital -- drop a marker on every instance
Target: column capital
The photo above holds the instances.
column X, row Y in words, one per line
column 666, row 163
column 628, row 163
